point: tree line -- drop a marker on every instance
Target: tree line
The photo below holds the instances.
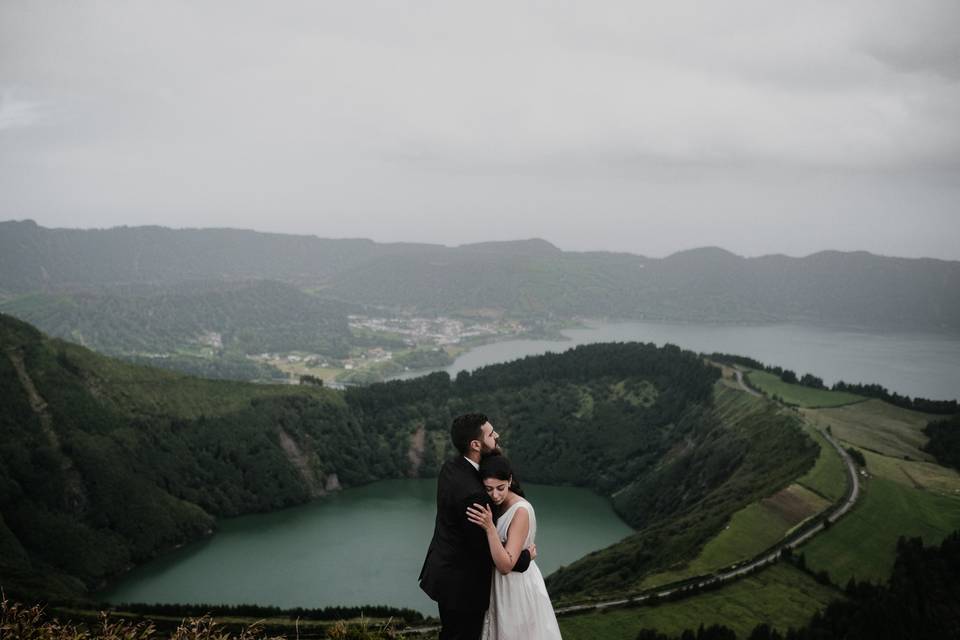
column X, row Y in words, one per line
column 944, row 442
column 406, row 615
column 868, row 390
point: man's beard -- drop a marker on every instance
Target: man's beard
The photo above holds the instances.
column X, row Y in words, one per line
column 496, row 451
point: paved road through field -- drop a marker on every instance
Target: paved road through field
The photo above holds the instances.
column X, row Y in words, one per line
column 743, row 385
column 737, row 570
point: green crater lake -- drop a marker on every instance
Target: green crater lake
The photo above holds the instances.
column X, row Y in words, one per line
column 359, row 546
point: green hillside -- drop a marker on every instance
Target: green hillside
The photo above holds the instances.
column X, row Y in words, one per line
column 796, row 394
column 191, row 318
column 781, row 595
column 741, row 449
column 905, row 493
column 919, row 598
column 105, row 464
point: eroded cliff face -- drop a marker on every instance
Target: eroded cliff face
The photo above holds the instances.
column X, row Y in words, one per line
column 301, row 462
column 418, row 440
column 75, row 497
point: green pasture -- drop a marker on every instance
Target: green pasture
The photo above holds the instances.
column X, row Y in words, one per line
column 732, row 403
column 752, row 530
column 828, row 477
column 863, row 543
column 146, row 390
column 878, row 426
column 914, row 473
column 780, row 595
column 757, row 526
column 798, row 394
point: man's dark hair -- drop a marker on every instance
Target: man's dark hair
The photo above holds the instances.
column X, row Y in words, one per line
column 465, row 429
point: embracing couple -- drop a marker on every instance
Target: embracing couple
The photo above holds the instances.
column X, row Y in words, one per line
column 480, row 565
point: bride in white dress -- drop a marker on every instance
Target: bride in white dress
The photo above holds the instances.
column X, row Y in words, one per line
column 520, row 608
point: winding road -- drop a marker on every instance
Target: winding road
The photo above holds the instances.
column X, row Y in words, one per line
column 737, row 570
column 743, row 385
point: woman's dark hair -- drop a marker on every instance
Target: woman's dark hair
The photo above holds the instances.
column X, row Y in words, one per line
column 499, row 467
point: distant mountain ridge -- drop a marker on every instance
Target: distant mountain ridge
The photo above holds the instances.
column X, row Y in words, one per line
column 516, row 277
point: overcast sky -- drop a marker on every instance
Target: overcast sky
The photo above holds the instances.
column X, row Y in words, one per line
column 762, row 127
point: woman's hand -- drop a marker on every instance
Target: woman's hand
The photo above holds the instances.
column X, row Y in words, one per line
column 481, row 515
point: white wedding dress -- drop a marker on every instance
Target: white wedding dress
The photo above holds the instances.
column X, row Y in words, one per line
column 520, row 608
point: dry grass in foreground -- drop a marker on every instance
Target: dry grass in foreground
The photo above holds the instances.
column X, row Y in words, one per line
column 22, row 622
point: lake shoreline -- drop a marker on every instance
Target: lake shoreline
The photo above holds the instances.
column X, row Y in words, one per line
column 301, row 537
column 774, row 344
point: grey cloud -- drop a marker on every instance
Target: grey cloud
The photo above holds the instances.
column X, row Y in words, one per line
column 941, row 57
column 453, row 122
column 922, row 39
column 17, row 113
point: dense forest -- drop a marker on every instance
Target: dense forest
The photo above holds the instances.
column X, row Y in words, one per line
column 225, row 318
column 104, row 464
column 221, row 366
column 944, row 443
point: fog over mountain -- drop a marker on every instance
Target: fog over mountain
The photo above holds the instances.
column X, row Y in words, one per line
column 523, row 278
column 621, row 126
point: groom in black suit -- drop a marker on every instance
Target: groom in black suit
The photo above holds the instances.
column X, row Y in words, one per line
column 457, row 570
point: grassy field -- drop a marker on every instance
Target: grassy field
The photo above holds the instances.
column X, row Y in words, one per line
column 752, row 530
column 732, row 401
column 905, row 493
column 890, row 439
column 799, row 394
column 762, row 524
column 914, row 473
column 828, row 477
column 877, row 426
column 780, row 595
column 137, row 389
column 863, row 543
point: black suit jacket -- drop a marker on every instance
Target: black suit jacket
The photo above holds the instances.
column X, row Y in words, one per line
column 457, row 570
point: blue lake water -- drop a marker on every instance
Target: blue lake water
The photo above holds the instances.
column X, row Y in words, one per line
column 916, row 364
column 361, row 546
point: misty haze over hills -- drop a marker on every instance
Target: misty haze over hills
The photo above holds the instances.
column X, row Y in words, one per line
column 526, row 277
